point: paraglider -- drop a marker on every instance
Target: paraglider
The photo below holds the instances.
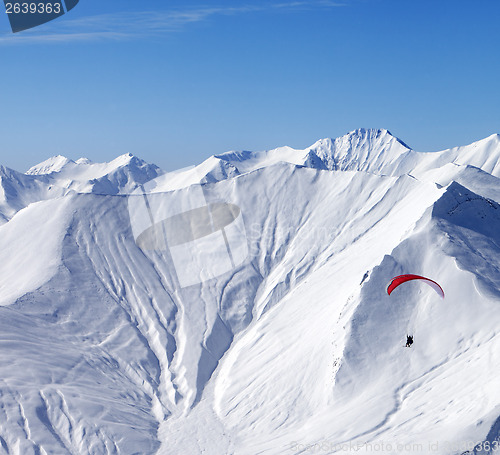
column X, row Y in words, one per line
column 401, row 279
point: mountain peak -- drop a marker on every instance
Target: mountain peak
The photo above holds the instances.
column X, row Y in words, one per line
column 53, row 164
column 372, row 132
column 127, row 159
column 371, row 150
column 83, row 161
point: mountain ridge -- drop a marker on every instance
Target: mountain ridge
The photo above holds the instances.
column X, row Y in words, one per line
column 370, row 150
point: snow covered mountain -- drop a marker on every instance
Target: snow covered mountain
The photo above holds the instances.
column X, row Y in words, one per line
column 298, row 348
column 121, row 175
column 58, row 176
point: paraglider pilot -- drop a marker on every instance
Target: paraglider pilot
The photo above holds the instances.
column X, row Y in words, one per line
column 409, row 340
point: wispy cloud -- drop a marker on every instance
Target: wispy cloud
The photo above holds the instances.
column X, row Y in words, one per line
column 128, row 25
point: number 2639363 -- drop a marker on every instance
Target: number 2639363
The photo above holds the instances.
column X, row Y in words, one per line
column 33, row 8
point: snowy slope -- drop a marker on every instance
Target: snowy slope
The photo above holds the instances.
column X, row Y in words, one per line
column 296, row 350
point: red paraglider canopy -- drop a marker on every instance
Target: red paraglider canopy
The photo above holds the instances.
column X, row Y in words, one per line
column 396, row 281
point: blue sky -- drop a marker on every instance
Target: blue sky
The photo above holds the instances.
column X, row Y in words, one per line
column 174, row 82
